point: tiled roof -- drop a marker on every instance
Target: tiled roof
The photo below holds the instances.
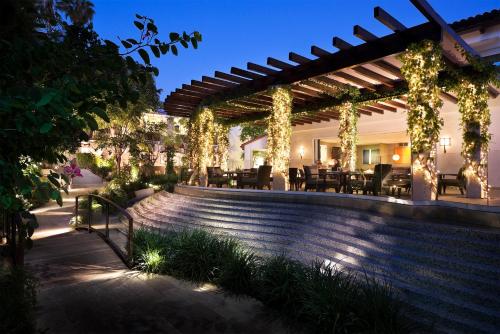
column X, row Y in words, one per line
column 478, row 21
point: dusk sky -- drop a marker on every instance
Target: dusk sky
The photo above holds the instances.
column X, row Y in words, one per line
column 235, row 32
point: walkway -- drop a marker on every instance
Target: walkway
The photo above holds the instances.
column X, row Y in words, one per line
column 85, row 288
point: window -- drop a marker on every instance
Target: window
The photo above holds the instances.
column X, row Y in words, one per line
column 371, row 156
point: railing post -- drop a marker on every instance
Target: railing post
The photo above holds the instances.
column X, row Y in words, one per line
column 130, row 238
column 107, row 220
column 76, row 211
column 90, row 212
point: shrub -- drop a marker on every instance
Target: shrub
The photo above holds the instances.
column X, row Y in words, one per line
column 195, row 255
column 238, row 272
column 17, row 301
column 321, row 297
column 329, row 301
column 281, row 285
column 380, row 310
column 85, row 160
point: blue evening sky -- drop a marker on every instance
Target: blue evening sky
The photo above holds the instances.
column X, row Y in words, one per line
column 235, row 32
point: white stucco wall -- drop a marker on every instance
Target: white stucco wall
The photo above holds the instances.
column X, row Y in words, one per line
column 371, row 127
column 259, row 144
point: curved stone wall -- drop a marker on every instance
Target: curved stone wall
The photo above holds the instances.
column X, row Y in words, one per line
column 444, row 272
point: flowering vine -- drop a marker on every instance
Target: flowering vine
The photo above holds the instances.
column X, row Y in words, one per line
column 348, row 135
column 279, row 129
column 421, row 64
column 201, row 140
column 221, row 139
column 475, row 121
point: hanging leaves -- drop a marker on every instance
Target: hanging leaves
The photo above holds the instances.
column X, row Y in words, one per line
column 421, row 64
column 348, row 135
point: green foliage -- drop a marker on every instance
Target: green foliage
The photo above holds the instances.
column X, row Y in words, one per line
column 86, row 160
column 146, row 144
column 320, row 297
column 251, row 131
column 57, row 79
column 120, row 189
column 281, row 285
column 239, row 270
column 421, row 64
column 17, row 301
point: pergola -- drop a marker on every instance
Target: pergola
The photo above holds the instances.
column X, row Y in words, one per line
column 368, row 75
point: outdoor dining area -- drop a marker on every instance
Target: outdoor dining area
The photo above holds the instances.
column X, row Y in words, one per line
column 410, row 80
column 383, row 180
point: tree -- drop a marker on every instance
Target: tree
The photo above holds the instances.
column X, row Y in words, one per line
column 56, row 78
column 117, row 134
column 80, row 12
column 147, row 144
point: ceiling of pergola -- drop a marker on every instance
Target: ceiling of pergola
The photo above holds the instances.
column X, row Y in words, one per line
column 372, row 67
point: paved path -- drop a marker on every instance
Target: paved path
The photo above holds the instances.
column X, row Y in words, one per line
column 85, row 288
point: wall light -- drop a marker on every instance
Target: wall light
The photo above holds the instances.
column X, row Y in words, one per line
column 445, row 142
column 396, row 157
column 301, row 152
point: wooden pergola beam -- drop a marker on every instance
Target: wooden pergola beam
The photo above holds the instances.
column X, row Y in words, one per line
column 319, row 52
column 355, row 80
column 373, row 75
column 340, row 44
column 373, row 109
column 219, row 82
column 386, row 19
column 245, row 73
column 329, row 63
column 230, row 77
column 295, row 57
column 261, row 69
column 363, row 34
column 207, row 85
column 278, row 63
column 364, row 112
column 395, row 104
column 384, row 107
column 196, row 89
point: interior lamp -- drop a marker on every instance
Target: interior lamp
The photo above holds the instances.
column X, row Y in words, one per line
column 445, row 142
column 396, row 157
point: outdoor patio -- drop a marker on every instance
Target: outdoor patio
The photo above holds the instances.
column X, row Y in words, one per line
column 380, row 80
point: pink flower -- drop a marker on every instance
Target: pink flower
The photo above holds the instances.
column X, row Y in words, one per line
column 72, row 170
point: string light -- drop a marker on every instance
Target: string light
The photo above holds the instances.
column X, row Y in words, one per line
column 221, row 138
column 348, row 135
column 421, row 64
column 475, row 121
column 279, row 129
column 201, row 141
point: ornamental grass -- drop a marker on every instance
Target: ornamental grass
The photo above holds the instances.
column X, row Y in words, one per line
column 318, row 298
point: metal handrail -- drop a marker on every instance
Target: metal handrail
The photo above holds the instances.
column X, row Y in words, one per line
column 127, row 256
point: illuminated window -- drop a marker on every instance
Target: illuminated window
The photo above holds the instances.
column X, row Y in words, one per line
column 371, row 156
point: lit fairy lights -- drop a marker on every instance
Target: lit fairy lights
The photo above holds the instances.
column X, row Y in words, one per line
column 221, row 139
column 421, row 64
column 475, row 121
column 279, row 129
column 348, row 135
column 201, row 140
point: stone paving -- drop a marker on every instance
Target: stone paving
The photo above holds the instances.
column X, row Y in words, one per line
column 85, row 288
